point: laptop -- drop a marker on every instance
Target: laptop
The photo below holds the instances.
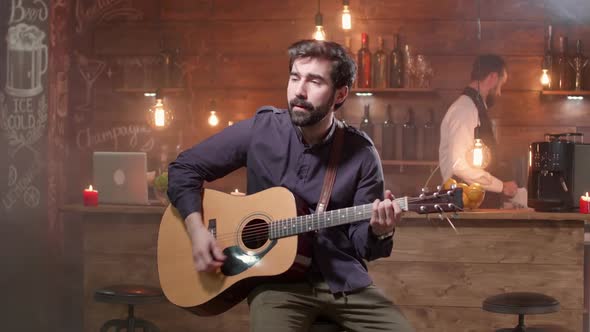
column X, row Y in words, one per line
column 120, row 177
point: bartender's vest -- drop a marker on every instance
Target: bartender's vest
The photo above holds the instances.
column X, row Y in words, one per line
column 492, row 200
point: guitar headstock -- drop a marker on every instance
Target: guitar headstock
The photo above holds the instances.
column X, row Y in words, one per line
column 442, row 200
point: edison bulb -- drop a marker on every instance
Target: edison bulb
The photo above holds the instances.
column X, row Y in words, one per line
column 346, row 18
column 159, row 117
column 319, row 33
column 545, row 79
column 213, row 119
column 479, row 155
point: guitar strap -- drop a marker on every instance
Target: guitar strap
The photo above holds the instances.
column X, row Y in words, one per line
column 332, row 167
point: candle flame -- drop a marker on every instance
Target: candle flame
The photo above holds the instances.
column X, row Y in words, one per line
column 586, row 194
column 90, row 188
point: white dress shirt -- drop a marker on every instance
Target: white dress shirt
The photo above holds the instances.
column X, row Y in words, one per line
column 456, row 138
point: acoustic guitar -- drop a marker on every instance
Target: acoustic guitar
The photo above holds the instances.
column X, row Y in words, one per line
column 262, row 236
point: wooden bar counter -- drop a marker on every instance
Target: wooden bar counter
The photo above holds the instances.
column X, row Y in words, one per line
column 437, row 277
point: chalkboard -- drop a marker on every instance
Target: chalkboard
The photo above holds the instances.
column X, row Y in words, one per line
column 23, row 109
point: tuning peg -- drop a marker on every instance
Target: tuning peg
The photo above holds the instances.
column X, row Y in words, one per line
column 425, row 189
column 439, row 188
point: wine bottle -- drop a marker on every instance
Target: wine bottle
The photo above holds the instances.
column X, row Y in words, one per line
column 364, row 63
column 561, row 73
column 548, row 58
column 366, row 123
column 409, row 137
column 430, row 138
column 408, row 52
column 388, row 141
column 396, row 65
column 380, row 66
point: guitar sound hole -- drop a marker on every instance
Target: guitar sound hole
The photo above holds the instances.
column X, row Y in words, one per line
column 255, row 234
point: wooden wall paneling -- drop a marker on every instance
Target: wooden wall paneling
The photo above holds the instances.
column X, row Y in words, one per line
column 419, row 10
column 519, row 138
column 291, row 9
column 508, row 10
column 182, row 10
column 512, row 38
column 480, row 242
column 258, row 38
column 467, row 284
column 242, row 71
column 569, row 11
column 239, row 103
column 139, row 39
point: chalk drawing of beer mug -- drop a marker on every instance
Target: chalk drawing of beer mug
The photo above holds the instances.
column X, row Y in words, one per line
column 26, row 60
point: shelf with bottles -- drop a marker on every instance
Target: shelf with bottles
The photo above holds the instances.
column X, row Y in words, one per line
column 386, row 91
column 165, row 91
column 565, row 92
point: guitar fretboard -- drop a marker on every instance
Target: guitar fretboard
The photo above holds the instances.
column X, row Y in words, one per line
column 312, row 222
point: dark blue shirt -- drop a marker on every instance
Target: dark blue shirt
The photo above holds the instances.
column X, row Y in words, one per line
column 274, row 153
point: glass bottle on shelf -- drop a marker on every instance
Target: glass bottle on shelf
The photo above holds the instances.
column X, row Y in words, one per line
column 409, row 137
column 364, row 63
column 388, row 140
column 380, row 66
column 348, row 47
column 430, row 138
column 396, row 64
column 408, row 80
column 548, row 58
column 561, row 73
column 366, row 123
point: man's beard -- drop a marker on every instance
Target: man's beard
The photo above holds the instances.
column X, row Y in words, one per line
column 492, row 97
column 313, row 114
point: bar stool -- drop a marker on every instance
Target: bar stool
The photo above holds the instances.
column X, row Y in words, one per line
column 129, row 295
column 521, row 303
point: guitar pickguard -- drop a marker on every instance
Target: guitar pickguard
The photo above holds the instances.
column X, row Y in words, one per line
column 238, row 261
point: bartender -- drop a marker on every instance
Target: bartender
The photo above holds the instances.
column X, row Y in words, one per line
column 458, row 128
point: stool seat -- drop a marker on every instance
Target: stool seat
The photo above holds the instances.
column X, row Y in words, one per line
column 129, row 294
column 521, row 303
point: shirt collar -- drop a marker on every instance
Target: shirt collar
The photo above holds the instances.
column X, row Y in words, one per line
column 324, row 141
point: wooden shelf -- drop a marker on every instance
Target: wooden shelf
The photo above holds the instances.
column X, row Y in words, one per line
column 165, row 91
column 409, row 162
column 393, row 90
column 565, row 92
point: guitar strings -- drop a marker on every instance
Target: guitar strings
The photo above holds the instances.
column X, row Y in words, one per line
column 257, row 231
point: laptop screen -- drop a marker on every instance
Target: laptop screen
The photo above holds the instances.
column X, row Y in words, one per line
column 120, row 177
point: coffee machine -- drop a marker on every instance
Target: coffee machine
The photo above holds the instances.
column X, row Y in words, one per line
column 559, row 172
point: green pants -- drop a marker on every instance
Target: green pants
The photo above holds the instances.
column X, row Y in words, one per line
column 294, row 307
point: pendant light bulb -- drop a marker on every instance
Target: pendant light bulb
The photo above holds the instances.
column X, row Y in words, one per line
column 213, row 119
column 545, row 79
column 319, row 33
column 346, row 18
column 479, row 155
column 159, row 116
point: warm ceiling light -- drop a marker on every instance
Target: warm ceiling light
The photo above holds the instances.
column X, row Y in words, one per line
column 346, row 18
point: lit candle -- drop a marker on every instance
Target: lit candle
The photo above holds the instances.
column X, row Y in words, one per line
column 236, row 192
column 585, row 204
column 90, row 196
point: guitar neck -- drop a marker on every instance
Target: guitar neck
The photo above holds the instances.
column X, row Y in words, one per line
column 312, row 222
